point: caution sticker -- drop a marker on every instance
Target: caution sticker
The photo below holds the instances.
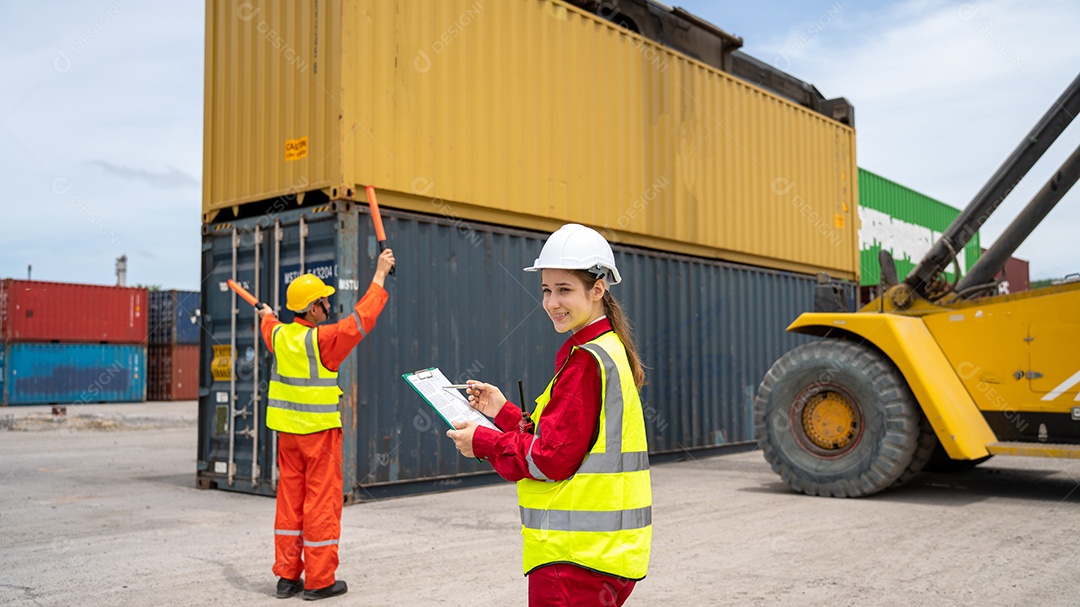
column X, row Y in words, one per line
column 221, row 366
column 295, row 149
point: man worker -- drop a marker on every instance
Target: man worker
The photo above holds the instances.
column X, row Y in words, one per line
column 304, row 408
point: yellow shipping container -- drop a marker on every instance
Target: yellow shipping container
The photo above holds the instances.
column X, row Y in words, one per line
column 528, row 113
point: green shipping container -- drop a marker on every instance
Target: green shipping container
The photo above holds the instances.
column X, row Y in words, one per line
column 906, row 223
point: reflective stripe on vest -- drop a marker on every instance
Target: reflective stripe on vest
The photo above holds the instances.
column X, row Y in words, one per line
column 600, row 518
column 611, row 463
column 614, row 459
column 318, row 382
column 301, row 407
column 533, row 469
column 578, row 520
column 303, row 396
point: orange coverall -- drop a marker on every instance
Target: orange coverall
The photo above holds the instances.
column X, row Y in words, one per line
column 309, row 491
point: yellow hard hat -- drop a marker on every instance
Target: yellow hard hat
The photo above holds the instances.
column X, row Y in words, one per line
column 304, row 290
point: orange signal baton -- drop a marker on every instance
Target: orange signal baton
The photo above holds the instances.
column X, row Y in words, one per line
column 376, row 218
column 243, row 293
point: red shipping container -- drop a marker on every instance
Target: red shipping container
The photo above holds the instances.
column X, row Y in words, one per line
column 172, row 372
column 1016, row 273
column 34, row 310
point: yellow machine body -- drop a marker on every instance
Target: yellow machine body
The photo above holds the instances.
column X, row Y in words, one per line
column 983, row 371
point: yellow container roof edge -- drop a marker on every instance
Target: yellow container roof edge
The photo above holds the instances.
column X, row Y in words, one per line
column 907, row 342
column 699, row 63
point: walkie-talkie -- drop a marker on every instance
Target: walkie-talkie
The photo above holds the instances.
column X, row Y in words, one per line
column 526, row 420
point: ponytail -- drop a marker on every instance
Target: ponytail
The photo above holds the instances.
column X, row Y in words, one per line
column 620, row 324
column 622, row 328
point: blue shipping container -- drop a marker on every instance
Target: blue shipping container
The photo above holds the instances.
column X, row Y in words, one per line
column 174, row 317
column 47, row 373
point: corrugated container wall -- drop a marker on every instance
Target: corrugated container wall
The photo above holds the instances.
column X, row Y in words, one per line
column 172, row 372
column 34, row 310
column 44, row 373
column 526, row 113
column 708, row 330
column 906, row 223
column 174, row 317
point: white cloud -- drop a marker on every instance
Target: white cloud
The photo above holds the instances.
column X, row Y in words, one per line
column 169, row 178
column 943, row 93
column 102, row 149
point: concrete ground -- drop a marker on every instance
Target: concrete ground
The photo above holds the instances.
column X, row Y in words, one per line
column 101, row 509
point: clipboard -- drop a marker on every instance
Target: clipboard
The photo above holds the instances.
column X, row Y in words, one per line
column 451, row 405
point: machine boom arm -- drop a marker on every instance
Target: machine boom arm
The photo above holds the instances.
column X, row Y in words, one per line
column 964, row 227
column 1036, row 210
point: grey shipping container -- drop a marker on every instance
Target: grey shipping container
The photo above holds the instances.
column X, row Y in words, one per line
column 174, row 317
column 708, row 331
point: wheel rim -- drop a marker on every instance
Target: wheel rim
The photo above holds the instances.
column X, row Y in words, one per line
column 827, row 419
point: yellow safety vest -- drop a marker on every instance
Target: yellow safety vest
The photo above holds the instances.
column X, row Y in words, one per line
column 600, row 518
column 304, row 396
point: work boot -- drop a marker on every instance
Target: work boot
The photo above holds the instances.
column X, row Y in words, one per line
column 339, row 587
column 288, row 588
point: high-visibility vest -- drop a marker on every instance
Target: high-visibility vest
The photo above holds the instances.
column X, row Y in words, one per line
column 304, row 396
column 601, row 517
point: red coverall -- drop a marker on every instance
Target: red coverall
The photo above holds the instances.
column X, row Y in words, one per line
column 309, row 491
column 570, row 429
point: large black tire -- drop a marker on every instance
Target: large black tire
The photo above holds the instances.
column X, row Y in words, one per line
column 924, row 450
column 835, row 418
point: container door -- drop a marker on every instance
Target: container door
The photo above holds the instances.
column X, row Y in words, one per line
column 232, row 406
column 263, row 254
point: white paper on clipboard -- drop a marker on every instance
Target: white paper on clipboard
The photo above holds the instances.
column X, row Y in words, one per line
column 450, row 404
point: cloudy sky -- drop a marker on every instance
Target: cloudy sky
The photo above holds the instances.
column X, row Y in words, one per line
column 101, row 116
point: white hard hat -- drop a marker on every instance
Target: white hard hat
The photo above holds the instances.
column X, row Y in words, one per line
column 576, row 247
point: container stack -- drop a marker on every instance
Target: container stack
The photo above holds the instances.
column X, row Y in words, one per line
column 173, row 354
column 68, row 343
column 720, row 227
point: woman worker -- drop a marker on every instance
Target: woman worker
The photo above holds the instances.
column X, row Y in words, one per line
column 581, row 463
